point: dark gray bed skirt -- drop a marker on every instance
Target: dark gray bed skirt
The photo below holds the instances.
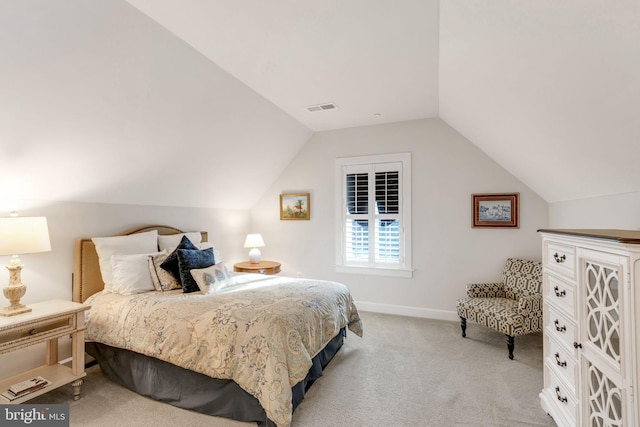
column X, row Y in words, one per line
column 180, row 387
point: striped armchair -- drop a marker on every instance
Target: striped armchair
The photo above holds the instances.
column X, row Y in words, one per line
column 512, row 306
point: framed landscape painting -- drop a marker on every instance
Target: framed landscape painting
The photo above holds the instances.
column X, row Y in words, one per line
column 496, row 210
column 294, row 206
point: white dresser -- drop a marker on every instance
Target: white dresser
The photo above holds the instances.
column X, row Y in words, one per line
column 591, row 325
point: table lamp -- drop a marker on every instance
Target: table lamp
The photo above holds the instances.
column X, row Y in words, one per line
column 254, row 241
column 20, row 235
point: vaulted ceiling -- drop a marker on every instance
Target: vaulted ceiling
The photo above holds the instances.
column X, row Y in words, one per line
column 99, row 95
column 377, row 61
column 549, row 89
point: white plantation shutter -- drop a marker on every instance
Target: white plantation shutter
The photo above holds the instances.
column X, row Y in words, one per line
column 357, row 217
column 372, row 216
column 387, row 225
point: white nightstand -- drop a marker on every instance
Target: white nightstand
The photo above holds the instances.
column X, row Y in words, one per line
column 47, row 322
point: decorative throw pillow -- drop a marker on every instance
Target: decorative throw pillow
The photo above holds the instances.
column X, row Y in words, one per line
column 213, row 279
column 171, row 241
column 190, row 259
column 171, row 263
column 216, row 252
column 106, row 247
column 162, row 280
column 131, row 274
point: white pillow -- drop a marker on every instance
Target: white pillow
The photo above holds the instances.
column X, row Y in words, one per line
column 171, row 241
column 106, row 247
column 131, row 273
column 212, row 279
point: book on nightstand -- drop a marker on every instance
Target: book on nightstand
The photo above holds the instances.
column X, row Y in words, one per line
column 25, row 387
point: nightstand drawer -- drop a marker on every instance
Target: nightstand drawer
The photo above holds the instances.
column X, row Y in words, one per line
column 37, row 331
column 263, row 267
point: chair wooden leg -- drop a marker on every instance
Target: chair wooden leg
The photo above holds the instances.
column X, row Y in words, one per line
column 510, row 346
column 463, row 326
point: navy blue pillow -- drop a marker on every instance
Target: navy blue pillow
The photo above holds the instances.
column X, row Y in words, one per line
column 171, row 263
column 189, row 259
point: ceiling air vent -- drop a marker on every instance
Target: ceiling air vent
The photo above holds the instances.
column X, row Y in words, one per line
column 321, row 107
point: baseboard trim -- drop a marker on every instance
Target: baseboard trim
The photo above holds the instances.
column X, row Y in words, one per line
column 403, row 310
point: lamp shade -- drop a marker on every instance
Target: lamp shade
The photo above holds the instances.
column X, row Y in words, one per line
column 254, row 241
column 24, row 235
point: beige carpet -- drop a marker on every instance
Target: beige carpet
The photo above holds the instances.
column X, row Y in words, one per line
column 404, row 372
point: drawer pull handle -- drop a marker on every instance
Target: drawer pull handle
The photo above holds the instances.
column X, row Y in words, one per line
column 560, row 398
column 559, row 293
column 559, row 258
column 577, row 345
column 561, row 364
column 558, row 327
column 33, row 331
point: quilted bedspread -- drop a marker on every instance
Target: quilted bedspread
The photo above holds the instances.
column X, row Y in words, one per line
column 262, row 332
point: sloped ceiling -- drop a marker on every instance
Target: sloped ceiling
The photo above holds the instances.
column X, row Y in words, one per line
column 201, row 102
column 99, row 103
column 376, row 60
column 550, row 90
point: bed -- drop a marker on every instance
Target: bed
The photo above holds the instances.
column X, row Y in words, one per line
column 247, row 349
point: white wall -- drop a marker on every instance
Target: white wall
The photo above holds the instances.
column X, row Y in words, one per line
column 48, row 275
column 615, row 211
column 101, row 104
column 447, row 252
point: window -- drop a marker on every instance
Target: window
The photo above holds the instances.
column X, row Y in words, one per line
column 374, row 211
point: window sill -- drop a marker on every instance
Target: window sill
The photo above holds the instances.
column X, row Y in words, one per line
column 389, row 272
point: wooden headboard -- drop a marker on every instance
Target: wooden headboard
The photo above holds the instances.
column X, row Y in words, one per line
column 87, row 279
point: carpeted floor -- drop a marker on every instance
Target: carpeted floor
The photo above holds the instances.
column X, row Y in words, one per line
column 404, row 372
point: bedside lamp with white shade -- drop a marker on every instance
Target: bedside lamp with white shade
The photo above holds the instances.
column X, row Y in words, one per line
column 20, row 235
column 254, row 241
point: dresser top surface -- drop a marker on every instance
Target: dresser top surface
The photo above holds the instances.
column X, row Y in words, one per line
column 621, row 236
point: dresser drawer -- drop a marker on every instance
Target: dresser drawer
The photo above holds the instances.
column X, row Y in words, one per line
column 560, row 258
column 561, row 294
column 562, row 329
column 564, row 363
column 560, row 396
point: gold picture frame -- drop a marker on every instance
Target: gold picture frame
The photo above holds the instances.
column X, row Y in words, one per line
column 496, row 210
column 295, row 206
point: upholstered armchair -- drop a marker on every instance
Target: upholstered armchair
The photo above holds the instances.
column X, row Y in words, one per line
column 512, row 306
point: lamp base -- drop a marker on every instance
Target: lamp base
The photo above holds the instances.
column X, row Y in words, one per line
column 14, row 291
column 254, row 256
column 12, row 310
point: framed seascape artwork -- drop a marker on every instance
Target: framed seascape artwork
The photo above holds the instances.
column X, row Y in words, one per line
column 496, row 210
column 294, row 206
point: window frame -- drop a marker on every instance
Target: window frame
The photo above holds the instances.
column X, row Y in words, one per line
column 404, row 269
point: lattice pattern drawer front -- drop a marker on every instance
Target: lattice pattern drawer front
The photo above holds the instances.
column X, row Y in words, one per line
column 560, row 258
column 602, row 309
column 605, row 400
column 561, row 293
